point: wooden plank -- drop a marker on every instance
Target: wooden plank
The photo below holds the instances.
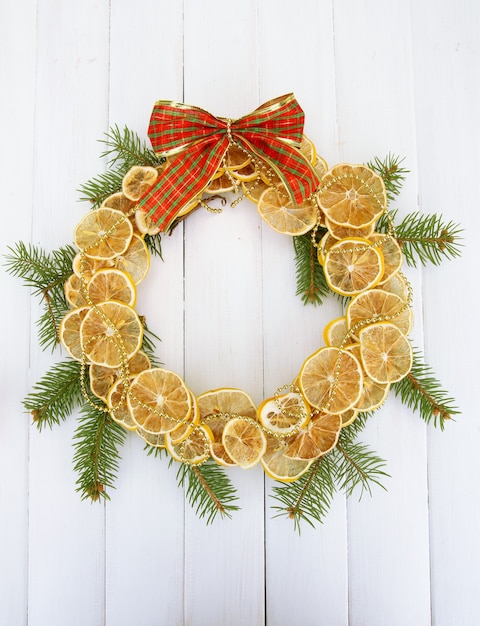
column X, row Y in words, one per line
column 66, row 538
column 387, row 535
column 447, row 97
column 146, row 512
column 306, row 577
column 17, row 41
column 224, row 575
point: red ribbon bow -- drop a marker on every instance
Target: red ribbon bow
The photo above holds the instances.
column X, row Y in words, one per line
column 196, row 143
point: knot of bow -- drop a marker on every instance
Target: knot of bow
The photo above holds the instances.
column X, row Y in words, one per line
column 196, row 143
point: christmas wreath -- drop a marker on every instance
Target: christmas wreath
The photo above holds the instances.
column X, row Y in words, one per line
column 347, row 242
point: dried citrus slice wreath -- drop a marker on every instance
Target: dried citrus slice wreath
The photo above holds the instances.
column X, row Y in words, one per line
column 342, row 214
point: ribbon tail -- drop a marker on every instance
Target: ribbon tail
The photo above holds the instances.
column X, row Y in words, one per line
column 182, row 181
column 295, row 171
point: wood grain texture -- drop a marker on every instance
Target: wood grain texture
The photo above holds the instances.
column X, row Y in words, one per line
column 372, row 77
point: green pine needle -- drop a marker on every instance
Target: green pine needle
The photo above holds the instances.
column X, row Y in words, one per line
column 310, row 497
column 96, row 459
column 348, row 467
column 124, row 149
column 154, row 244
column 125, row 146
column 311, row 283
column 392, row 173
column 46, row 274
column 357, row 466
column 208, row 490
column 148, row 344
column 423, row 393
column 56, row 395
column 99, row 188
column 428, row 239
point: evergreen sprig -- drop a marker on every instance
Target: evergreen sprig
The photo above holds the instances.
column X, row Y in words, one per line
column 208, row 490
column 124, row 146
column 349, row 467
column 423, row 393
column 123, row 149
column 428, row 238
column 310, row 497
column 311, row 283
column 55, row 396
column 392, row 172
column 46, row 273
column 97, row 441
column 357, row 466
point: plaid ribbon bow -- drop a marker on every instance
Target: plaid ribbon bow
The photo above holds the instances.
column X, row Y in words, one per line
column 196, row 142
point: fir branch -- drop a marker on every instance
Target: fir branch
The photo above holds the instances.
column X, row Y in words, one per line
column 356, row 465
column 428, row 238
column 46, row 274
column 154, row 244
column 310, row 497
column 208, row 490
column 311, row 283
column 56, row 395
column 351, row 432
column 99, row 188
column 96, row 459
column 392, row 173
column 126, row 147
column 422, row 392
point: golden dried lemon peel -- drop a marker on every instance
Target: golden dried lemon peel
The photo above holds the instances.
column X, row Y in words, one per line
column 365, row 351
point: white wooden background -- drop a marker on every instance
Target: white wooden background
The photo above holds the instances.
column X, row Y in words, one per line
column 373, row 76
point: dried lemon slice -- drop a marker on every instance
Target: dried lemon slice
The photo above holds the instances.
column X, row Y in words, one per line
column 281, row 467
column 144, row 223
column 194, row 449
column 352, row 265
column 284, row 414
column 183, row 430
column 244, row 441
column 103, row 378
column 117, row 403
column 69, row 331
column 373, row 393
column 376, row 305
column 281, row 214
column 135, row 260
column 316, row 439
column 112, row 284
column 73, row 291
column 216, row 407
column 352, row 195
column 331, row 380
column 159, row 400
column 336, row 331
column 103, row 233
column 386, row 353
column 111, row 333
column 138, row 180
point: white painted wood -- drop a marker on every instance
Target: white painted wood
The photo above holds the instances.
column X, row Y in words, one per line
column 372, row 77
column 223, row 319
column 305, row 576
column 146, row 486
column 388, row 546
column 66, row 536
column 447, row 97
column 17, row 80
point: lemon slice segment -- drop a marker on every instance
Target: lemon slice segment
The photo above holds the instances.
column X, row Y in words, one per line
column 103, row 233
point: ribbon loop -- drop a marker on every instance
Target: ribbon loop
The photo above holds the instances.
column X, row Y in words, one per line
column 196, row 142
